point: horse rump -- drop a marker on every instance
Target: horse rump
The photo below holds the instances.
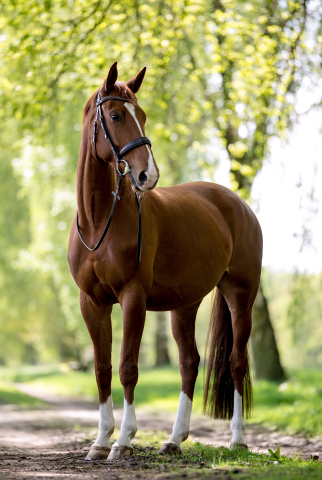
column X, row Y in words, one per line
column 218, row 401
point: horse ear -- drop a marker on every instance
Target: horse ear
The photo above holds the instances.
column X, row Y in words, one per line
column 135, row 83
column 110, row 79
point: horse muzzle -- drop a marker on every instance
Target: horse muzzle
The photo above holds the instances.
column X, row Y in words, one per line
column 145, row 180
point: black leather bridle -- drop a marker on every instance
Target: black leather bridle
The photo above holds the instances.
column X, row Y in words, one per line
column 137, row 142
column 118, row 154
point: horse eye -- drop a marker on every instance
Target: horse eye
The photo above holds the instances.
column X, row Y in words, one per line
column 116, row 117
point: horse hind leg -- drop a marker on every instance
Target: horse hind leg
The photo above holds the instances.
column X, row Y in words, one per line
column 183, row 329
column 241, row 325
column 240, row 299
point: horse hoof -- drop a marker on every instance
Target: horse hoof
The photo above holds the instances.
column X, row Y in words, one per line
column 169, row 449
column 97, row 452
column 238, row 446
column 118, row 452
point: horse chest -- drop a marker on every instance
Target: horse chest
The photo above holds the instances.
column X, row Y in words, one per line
column 103, row 278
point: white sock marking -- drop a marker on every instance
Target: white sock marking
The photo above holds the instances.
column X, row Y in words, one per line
column 151, row 172
column 237, row 425
column 106, row 423
column 181, row 425
column 128, row 426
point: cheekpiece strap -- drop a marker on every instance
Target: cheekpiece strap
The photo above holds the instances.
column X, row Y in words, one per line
column 137, row 142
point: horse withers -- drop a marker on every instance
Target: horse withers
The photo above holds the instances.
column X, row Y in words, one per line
column 159, row 249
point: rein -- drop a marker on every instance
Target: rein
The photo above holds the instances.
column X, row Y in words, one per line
column 137, row 142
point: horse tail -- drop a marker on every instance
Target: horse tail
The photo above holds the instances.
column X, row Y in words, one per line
column 218, row 399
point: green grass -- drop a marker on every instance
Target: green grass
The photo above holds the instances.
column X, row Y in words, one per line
column 206, row 462
column 268, row 466
column 249, row 464
column 9, row 395
column 293, row 407
column 26, row 373
column 220, row 462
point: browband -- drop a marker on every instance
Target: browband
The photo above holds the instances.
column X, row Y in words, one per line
column 104, row 99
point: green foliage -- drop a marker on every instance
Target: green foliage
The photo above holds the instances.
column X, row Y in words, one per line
column 226, row 68
column 295, row 304
column 221, row 75
column 294, row 406
column 304, row 316
column 275, row 455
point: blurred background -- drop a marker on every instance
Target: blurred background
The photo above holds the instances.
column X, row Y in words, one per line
column 232, row 94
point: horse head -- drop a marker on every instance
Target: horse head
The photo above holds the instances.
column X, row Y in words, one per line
column 122, row 121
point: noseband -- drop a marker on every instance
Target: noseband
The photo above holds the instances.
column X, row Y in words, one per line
column 118, row 154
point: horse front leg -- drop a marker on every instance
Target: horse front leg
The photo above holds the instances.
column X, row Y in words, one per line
column 133, row 303
column 98, row 322
column 183, row 329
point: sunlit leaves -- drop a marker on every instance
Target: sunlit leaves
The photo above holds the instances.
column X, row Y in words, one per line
column 221, row 76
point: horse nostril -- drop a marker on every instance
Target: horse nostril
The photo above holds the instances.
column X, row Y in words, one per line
column 142, row 177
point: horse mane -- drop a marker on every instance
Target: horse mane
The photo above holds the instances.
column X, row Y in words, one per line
column 120, row 90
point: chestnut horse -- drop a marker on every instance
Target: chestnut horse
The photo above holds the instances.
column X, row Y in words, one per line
column 194, row 237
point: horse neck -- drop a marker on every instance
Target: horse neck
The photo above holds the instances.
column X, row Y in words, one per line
column 95, row 183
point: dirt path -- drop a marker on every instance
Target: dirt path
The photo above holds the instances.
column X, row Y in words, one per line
column 51, row 442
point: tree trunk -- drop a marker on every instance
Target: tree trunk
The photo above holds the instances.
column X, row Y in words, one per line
column 267, row 365
column 161, row 340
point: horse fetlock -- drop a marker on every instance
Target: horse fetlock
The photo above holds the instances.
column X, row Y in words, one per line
column 237, row 427
column 125, row 437
column 238, row 437
column 178, row 436
column 237, row 424
column 105, row 433
column 130, row 431
column 106, row 423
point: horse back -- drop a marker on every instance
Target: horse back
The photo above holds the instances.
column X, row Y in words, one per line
column 203, row 230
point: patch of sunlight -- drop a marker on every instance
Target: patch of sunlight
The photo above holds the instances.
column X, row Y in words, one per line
column 9, row 395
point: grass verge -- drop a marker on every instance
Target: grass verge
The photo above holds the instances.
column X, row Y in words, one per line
column 293, row 407
column 9, row 395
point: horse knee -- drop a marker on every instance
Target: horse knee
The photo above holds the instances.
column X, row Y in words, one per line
column 189, row 373
column 129, row 374
column 103, row 375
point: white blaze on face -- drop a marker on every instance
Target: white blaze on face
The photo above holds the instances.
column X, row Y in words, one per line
column 181, row 425
column 106, row 423
column 237, row 425
column 128, row 426
column 151, row 171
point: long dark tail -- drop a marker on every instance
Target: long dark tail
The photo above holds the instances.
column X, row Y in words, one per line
column 218, row 386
